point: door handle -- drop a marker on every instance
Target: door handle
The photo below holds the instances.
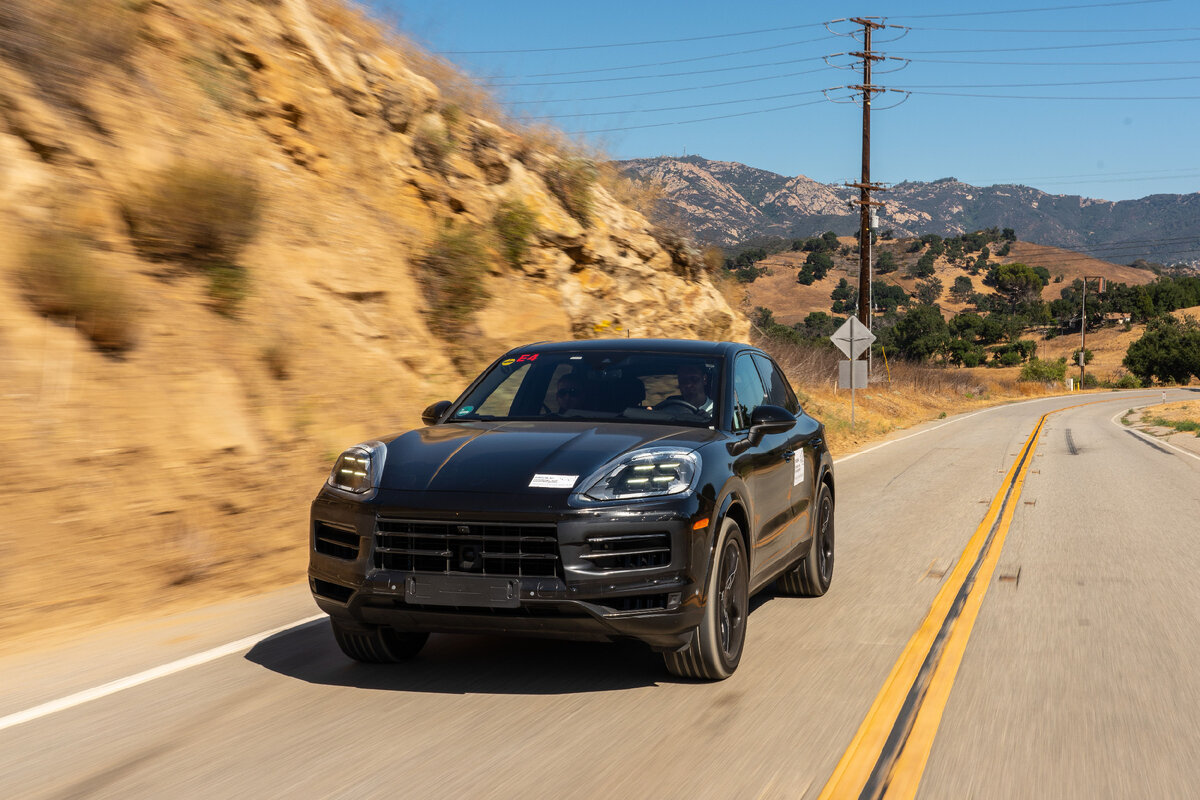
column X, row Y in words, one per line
column 788, row 455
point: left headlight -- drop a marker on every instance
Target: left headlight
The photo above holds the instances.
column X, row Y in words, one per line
column 644, row 473
column 358, row 469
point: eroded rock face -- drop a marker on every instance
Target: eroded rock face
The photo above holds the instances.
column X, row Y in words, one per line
column 364, row 165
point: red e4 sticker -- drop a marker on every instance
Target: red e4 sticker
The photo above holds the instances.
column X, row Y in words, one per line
column 527, row 357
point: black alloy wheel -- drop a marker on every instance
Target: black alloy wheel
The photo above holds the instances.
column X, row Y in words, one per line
column 716, row 645
column 812, row 576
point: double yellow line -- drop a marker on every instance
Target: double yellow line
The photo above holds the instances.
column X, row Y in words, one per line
column 887, row 756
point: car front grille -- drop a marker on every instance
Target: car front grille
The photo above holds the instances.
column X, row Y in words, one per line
column 629, row 551
column 505, row 549
column 336, row 542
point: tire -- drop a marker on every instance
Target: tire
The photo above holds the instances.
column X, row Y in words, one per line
column 812, row 576
column 375, row 644
column 716, row 644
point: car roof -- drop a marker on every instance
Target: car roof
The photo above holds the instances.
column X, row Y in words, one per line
column 689, row 346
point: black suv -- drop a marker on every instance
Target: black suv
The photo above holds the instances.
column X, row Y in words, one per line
column 603, row 489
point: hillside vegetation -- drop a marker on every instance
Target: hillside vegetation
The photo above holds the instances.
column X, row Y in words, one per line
column 241, row 235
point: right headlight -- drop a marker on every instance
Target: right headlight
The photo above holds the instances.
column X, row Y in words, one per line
column 644, row 473
column 357, row 470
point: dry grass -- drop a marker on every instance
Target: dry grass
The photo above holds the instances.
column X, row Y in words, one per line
column 195, row 212
column 914, row 393
column 62, row 279
column 61, row 43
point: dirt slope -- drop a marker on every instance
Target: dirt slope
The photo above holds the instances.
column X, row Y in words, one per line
column 181, row 468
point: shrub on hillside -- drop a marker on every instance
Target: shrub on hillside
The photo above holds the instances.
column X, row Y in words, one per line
column 195, row 213
column 1037, row 370
column 515, row 223
column 450, row 272
column 571, row 181
column 61, row 279
column 60, row 44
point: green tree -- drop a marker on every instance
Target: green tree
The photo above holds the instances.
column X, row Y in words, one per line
column 962, row 289
column 929, row 290
column 1018, row 283
column 924, row 266
column 1168, row 351
column 886, row 262
column 921, row 334
column 845, row 298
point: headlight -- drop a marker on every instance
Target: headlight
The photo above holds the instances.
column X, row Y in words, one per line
column 358, row 469
column 645, row 473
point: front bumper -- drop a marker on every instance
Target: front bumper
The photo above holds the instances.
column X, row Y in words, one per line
column 584, row 596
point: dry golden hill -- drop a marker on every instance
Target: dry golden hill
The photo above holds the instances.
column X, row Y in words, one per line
column 240, row 236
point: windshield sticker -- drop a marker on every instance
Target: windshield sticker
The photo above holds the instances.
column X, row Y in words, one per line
column 508, row 362
column 798, row 470
column 527, row 357
column 541, row 481
column 462, row 412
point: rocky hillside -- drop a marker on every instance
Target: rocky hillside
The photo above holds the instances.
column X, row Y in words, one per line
column 729, row 203
column 241, row 235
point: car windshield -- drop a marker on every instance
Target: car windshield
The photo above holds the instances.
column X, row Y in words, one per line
column 592, row 385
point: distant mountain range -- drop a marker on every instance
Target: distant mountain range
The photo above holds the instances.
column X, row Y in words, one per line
column 727, row 203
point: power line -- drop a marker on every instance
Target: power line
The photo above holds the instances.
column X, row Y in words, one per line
column 679, row 108
column 665, row 91
column 1032, row 10
column 1054, row 30
column 1061, row 83
column 655, row 63
column 1057, row 47
column 702, row 119
column 1054, row 97
column 658, row 75
column 632, row 44
column 1054, row 63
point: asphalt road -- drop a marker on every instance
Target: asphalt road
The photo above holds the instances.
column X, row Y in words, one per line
column 1078, row 679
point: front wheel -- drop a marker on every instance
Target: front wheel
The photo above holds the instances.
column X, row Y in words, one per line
column 716, row 643
column 376, row 644
column 812, row 576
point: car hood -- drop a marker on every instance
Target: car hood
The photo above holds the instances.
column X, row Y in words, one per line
column 506, row 457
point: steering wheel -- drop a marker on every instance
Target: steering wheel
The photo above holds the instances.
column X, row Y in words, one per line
column 677, row 401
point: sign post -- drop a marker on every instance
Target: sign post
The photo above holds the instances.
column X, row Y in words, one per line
column 853, row 339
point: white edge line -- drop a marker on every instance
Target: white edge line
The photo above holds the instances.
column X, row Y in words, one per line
column 154, row 673
column 1146, row 436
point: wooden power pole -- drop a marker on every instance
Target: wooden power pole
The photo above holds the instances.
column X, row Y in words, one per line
column 865, row 186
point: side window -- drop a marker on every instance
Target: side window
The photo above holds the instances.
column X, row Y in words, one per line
column 779, row 391
column 748, row 391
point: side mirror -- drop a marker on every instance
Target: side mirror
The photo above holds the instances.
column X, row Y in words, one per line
column 431, row 415
column 763, row 420
column 771, row 419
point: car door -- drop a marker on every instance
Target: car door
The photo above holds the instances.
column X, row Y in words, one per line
column 800, row 443
column 764, row 467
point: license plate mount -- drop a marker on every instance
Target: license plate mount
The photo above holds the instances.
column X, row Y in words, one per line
column 464, row 591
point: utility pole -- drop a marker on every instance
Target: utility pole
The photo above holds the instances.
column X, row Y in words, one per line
column 865, row 186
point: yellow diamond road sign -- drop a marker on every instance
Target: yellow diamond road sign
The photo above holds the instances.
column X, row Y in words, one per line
column 852, row 338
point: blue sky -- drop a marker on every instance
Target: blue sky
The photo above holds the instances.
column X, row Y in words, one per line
column 1122, row 81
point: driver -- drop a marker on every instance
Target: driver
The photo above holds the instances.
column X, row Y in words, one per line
column 568, row 392
column 692, row 389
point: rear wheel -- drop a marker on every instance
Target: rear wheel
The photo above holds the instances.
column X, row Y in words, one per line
column 376, row 644
column 812, row 576
column 716, row 643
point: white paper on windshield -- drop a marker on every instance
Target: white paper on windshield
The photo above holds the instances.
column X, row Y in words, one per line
column 798, row 470
column 541, row 481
